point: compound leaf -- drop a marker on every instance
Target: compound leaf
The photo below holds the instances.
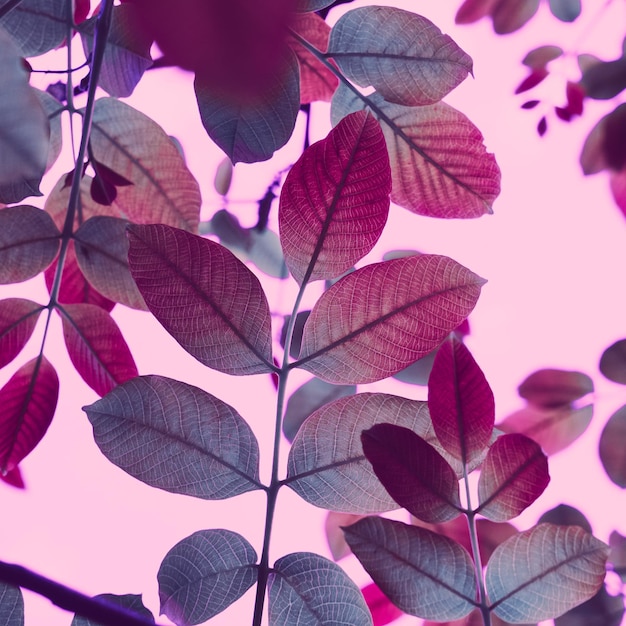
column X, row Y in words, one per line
column 18, row 318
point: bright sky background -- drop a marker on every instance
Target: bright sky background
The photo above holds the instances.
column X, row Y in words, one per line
column 553, row 253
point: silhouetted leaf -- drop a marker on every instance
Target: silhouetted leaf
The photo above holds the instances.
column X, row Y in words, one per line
column 27, row 404
column 296, row 339
column 550, row 388
column 335, row 537
column 18, row 318
column 423, row 573
column 604, row 146
column 204, row 574
column 210, row 302
column 335, row 200
column 417, row 373
column 382, row 609
column 541, row 56
column 511, row 16
column 326, row 463
column 129, row 601
column 600, row 610
column 565, row 10
column 266, row 253
column 439, row 165
column 422, row 298
column 565, row 515
column 533, row 79
column 617, row 557
column 605, row 80
column 312, row 5
column 11, row 605
column 613, row 362
column 176, row 437
column 473, row 10
column 612, row 448
column 306, row 588
column 513, row 475
column 404, row 56
column 540, row 573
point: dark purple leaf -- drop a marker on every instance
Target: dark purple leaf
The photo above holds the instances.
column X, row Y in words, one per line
column 612, row 447
column 296, row 339
column 617, row 557
column 531, row 104
column 605, row 80
column 565, row 10
column 600, row 610
column 613, row 362
column 565, row 515
column 542, row 126
column 550, row 388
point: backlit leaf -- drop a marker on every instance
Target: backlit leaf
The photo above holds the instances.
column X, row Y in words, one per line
column 18, row 318
column 511, row 16
column 382, row 609
column 540, row 573
column 11, row 605
column 96, row 347
column 414, row 474
column 404, row 56
column 612, row 448
column 326, row 465
column 133, row 603
column 204, row 574
column 613, row 362
column 176, row 437
column 460, row 401
column 409, row 305
column 513, row 475
column 27, row 404
column 209, row 301
column 550, row 388
column 423, row 573
column 335, row 537
column 565, row 515
column 335, row 200
column 306, row 589
column 439, row 165
column 565, row 10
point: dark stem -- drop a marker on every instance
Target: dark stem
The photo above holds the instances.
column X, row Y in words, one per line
column 306, row 109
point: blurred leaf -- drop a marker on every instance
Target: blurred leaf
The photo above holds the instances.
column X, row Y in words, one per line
column 296, row 339
column 565, row 10
column 617, row 181
column 600, row 610
column 27, row 405
column 14, row 478
column 232, row 235
column 305, row 588
column 527, row 581
column 176, row 437
column 223, row 176
column 11, row 605
column 204, row 574
column 613, row 362
column 382, row 609
column 418, row 372
column 533, row 79
column 404, row 56
column 541, row 56
column 52, row 108
column 335, row 537
column 18, row 318
column 475, row 618
column 210, row 302
column 605, row 80
column 422, row 299
column 617, row 556
column 604, row 146
column 335, row 200
column 565, row 515
column 511, row 16
column 312, row 5
column 491, row 535
column 473, row 10
column 612, row 447
column 129, row 601
column 421, row 572
column 266, row 253
column 550, row 388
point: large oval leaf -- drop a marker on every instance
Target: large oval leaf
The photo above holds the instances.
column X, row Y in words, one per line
column 404, row 56
column 439, row 165
column 18, row 318
column 176, row 437
column 408, row 305
column 423, row 573
column 204, row 574
column 207, row 299
column 540, row 573
column 27, row 404
column 335, row 200
column 612, row 448
column 11, row 605
column 306, row 589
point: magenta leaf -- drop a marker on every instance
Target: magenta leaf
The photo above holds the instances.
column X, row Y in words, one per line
column 550, row 388
column 460, row 401
column 416, row 476
column 474, row 10
column 27, row 404
column 326, row 464
column 513, row 475
column 335, row 200
column 617, row 183
column 419, row 300
column 176, row 437
column 382, row 609
column 298, row 328
column 18, row 318
column 11, row 605
column 29, row 242
column 207, row 299
column 421, row 572
column 96, row 347
column 204, row 574
column 612, row 448
column 613, row 362
column 14, row 478
column 543, row 572
column 133, row 603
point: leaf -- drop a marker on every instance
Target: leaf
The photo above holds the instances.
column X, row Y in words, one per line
column 309, row 397
column 204, row 574
column 11, row 605
column 418, row 372
column 52, row 108
column 551, row 388
column 540, row 573
column 24, row 127
column 176, row 437
column 565, row 10
column 18, row 318
column 312, row 5
column 223, row 177
column 600, row 610
column 96, row 347
column 102, row 255
column 565, row 515
column 131, row 144
column 604, row 146
column 513, row 475
column 613, row 362
column 553, row 429
column 617, row 182
column 252, row 129
column 307, row 589
column 474, row 10
column 14, row 478
column 404, row 56
column 511, row 16
column 491, row 535
column 612, row 448
column 617, row 557
column 460, row 401
column 326, row 465
column 27, row 404
column 334, row 532
column 605, row 80
column 539, row 57
column 421, row 572
column 133, row 603
column 296, row 338
column 382, row 609
column 211, row 303
column 439, row 165
column 335, row 200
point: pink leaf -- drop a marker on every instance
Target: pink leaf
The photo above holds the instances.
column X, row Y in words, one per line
column 335, row 200
column 408, row 305
column 96, row 347
column 18, row 318
column 512, row 477
column 207, row 299
column 335, row 538
column 14, row 478
column 382, row 609
column 460, row 401
column 550, row 388
column 27, row 404
column 473, row 10
column 540, row 57
column 510, row 15
column 613, row 447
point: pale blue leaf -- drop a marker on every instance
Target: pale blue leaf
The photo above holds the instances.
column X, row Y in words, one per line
column 303, row 6
column 565, row 10
column 11, row 605
column 130, row 601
